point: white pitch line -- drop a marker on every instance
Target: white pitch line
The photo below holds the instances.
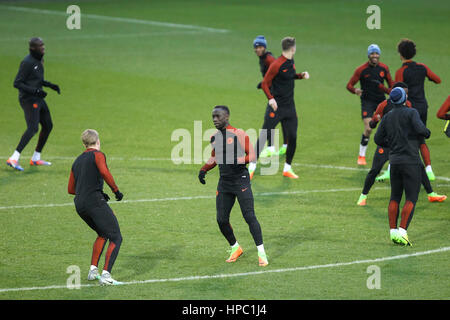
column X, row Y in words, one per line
column 245, row 274
column 264, row 194
column 116, row 19
column 321, row 166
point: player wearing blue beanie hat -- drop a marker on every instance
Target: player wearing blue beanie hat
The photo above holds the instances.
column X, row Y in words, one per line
column 373, row 48
column 260, row 41
column 265, row 60
column 398, row 96
column 371, row 76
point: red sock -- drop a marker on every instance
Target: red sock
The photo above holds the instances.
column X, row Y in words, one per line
column 393, row 214
column 407, row 212
column 99, row 244
column 425, row 154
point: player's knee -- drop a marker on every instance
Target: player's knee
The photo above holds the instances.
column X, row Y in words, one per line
column 49, row 127
column 116, row 238
column 250, row 217
column 222, row 221
column 33, row 129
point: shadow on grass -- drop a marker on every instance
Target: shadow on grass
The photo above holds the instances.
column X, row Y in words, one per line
column 142, row 263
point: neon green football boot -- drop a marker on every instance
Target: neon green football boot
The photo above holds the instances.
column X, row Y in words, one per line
column 267, row 153
column 385, row 176
column 362, row 201
column 282, row 150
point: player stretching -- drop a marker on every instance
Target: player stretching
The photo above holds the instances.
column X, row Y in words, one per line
column 381, row 155
column 413, row 74
column 371, row 76
column 278, row 85
column 265, row 59
column 86, row 182
column 401, row 130
column 232, row 150
column 29, row 80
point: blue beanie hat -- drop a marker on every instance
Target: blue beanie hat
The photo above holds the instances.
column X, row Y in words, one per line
column 373, row 48
column 398, row 95
column 260, row 41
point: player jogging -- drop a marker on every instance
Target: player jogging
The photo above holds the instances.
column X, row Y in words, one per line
column 29, row 80
column 265, row 59
column 413, row 74
column 371, row 76
column 86, row 182
column 401, row 130
column 232, row 150
column 278, row 85
column 381, row 155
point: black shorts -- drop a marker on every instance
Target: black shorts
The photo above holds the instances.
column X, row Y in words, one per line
column 97, row 214
column 368, row 107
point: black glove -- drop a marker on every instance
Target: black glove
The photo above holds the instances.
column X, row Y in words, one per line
column 259, row 85
column 201, row 176
column 105, row 195
column 119, row 195
column 40, row 93
column 55, row 87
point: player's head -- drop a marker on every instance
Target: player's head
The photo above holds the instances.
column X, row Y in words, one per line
column 397, row 96
column 220, row 116
column 400, row 84
column 90, row 139
column 406, row 48
column 288, row 45
column 37, row 47
column 260, row 45
column 373, row 53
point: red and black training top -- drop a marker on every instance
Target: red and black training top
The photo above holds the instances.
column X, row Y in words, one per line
column 372, row 80
column 278, row 82
column 444, row 109
column 383, row 108
column 231, row 150
column 88, row 173
column 413, row 74
column 265, row 61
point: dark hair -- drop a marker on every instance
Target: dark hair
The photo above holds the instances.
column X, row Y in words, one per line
column 400, row 84
column 287, row 43
column 224, row 108
column 407, row 48
column 35, row 42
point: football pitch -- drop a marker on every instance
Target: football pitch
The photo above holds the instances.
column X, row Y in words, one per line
column 138, row 71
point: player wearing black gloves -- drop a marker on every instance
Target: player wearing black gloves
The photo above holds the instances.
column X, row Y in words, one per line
column 232, row 150
column 29, row 81
column 86, row 182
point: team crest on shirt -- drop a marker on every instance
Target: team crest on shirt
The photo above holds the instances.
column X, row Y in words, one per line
column 230, row 140
column 382, row 74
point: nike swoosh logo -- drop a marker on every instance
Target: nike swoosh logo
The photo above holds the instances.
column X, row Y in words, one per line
column 35, row 67
column 243, row 190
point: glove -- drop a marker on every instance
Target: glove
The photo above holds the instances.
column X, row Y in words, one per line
column 105, row 195
column 119, row 195
column 55, row 87
column 201, row 176
column 259, row 85
column 40, row 93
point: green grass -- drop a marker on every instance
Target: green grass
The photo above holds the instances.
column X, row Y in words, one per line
column 137, row 83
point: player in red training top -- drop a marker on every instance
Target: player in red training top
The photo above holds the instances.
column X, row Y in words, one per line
column 413, row 74
column 86, row 182
column 278, row 85
column 232, row 150
column 265, row 59
column 371, row 76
